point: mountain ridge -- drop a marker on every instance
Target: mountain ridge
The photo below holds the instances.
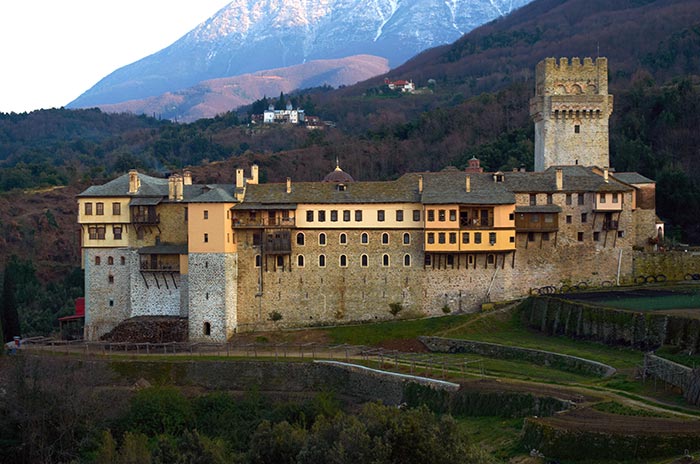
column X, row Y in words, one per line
column 252, row 35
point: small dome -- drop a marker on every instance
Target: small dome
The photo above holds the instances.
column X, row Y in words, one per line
column 339, row 176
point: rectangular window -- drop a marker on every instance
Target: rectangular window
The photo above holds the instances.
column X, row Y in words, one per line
column 399, row 215
column 101, row 230
column 453, row 237
column 309, row 216
column 577, row 129
column 346, row 215
column 534, row 218
column 99, row 208
column 568, row 199
column 441, row 215
column 581, row 198
column 453, row 215
column 602, row 197
column 615, row 198
column 358, row 215
column 92, row 232
column 431, row 237
column 322, row 216
column 117, row 231
column 441, row 237
column 477, row 237
column 584, row 217
column 596, row 236
column 550, row 199
column 334, row 215
column 548, row 218
column 416, row 215
column 533, row 199
column 186, row 213
column 465, row 237
column 116, row 209
column 206, row 214
column 580, row 236
column 88, row 209
column 492, row 238
column 206, row 238
column 568, row 219
column 431, row 215
column 380, row 215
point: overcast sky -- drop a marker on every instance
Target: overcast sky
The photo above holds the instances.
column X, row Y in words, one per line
column 51, row 51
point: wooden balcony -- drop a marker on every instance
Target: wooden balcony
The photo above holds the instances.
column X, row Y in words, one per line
column 611, row 225
column 262, row 222
column 145, row 219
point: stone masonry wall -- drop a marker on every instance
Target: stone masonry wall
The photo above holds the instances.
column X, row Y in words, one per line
column 673, row 264
column 107, row 300
column 211, row 282
column 155, row 293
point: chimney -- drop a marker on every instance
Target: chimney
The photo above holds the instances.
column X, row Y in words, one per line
column 239, row 178
column 420, row 184
column 560, row 179
column 134, row 182
column 254, row 174
column 171, row 188
column 605, row 173
column 289, row 185
column 187, row 176
column 469, row 184
column 178, row 183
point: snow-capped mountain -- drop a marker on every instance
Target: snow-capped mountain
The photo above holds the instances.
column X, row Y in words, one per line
column 252, row 35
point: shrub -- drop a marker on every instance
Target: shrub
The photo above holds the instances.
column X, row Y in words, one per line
column 395, row 308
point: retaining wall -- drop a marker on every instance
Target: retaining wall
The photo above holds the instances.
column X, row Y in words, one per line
column 642, row 330
column 493, row 350
column 673, row 264
column 683, row 377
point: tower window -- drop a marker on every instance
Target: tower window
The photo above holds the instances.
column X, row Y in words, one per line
column 406, row 238
column 300, row 238
column 364, row 238
column 407, row 260
column 300, row 261
column 322, row 261
column 577, row 129
column 385, row 260
column 364, row 261
column 322, row 238
column 343, row 239
column 385, row 238
column 343, row 261
column 207, row 329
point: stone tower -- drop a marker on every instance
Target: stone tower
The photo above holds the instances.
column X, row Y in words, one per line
column 571, row 108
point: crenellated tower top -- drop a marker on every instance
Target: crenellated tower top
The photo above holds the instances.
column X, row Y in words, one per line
column 571, row 108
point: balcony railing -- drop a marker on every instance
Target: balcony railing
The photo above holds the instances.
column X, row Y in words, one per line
column 263, row 222
column 148, row 267
column 611, row 225
column 476, row 224
column 145, row 218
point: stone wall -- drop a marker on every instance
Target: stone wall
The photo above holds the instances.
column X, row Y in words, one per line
column 673, row 264
column 494, row 350
column 155, row 293
column 641, row 330
column 683, row 377
column 107, row 288
column 212, row 295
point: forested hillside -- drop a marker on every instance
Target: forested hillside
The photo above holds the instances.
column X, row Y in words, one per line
column 474, row 102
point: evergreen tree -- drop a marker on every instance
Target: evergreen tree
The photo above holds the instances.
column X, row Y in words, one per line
column 9, row 319
column 281, row 102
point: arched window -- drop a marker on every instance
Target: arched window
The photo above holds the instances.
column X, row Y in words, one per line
column 207, row 329
column 300, row 238
column 385, row 260
column 110, row 260
column 97, row 260
column 407, row 260
column 322, row 238
column 364, row 261
column 300, row 261
column 385, row 238
column 110, row 278
column 406, row 238
column 364, row 238
column 343, row 261
column 321, row 260
column 343, row 239
column 122, row 260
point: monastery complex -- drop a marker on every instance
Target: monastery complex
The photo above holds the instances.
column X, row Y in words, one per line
column 228, row 257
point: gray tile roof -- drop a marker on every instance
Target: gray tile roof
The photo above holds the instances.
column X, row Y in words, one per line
column 215, row 195
column 575, row 179
column 449, row 186
column 402, row 190
column 632, row 178
column 538, row 209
